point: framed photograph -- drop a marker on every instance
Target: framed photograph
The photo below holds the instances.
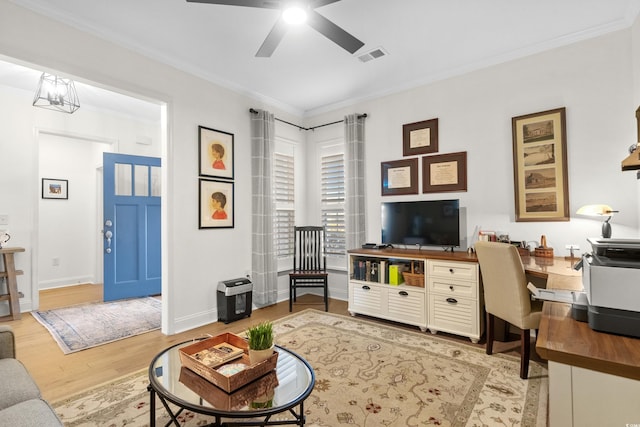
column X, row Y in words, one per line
column 215, row 154
column 215, row 209
column 444, row 172
column 55, row 188
column 400, row 177
column 540, row 166
column 420, row 138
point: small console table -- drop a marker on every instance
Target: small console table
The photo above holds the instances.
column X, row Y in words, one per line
column 10, row 275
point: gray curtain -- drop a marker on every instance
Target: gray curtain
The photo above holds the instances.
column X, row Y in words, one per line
column 355, row 201
column 263, row 254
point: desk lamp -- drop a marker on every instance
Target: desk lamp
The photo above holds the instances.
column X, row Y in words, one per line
column 598, row 211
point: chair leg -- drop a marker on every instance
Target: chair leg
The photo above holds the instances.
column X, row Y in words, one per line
column 491, row 320
column 525, row 349
column 326, row 296
column 290, row 295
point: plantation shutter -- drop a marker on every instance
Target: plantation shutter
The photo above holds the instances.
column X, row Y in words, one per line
column 285, row 208
column 333, row 197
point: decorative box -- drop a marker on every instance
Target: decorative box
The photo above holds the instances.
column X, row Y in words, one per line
column 231, row 382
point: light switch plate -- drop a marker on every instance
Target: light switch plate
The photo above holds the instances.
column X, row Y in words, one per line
column 4, row 219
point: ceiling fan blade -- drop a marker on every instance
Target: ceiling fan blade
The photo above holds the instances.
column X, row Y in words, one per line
column 273, row 39
column 333, row 32
column 319, row 3
column 263, row 4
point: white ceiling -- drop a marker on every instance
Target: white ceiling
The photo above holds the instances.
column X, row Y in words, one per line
column 426, row 40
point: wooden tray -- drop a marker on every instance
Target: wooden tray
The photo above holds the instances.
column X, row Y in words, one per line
column 252, row 394
column 232, row 382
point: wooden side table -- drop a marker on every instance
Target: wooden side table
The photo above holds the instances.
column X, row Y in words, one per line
column 10, row 275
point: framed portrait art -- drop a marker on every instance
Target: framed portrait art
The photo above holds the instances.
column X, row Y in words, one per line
column 444, row 172
column 420, row 138
column 215, row 153
column 399, row 177
column 215, row 208
column 540, row 166
column 55, row 188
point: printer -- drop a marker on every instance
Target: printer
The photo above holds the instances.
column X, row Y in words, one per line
column 611, row 280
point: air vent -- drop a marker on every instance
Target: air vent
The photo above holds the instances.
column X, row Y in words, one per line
column 373, row 54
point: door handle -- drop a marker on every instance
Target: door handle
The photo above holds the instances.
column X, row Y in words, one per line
column 108, row 234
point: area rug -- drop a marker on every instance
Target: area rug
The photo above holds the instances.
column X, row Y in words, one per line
column 89, row 325
column 367, row 374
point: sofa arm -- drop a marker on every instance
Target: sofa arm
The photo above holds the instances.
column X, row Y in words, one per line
column 7, row 342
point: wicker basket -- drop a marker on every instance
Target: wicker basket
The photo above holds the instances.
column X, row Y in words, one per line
column 412, row 278
column 544, row 252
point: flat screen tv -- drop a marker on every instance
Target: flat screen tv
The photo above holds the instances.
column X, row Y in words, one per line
column 422, row 223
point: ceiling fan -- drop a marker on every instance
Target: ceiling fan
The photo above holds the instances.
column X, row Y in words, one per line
column 313, row 18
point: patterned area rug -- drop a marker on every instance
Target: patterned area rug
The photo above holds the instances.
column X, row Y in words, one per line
column 366, row 375
column 89, row 325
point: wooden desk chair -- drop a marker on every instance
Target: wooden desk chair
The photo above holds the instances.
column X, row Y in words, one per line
column 309, row 263
column 506, row 295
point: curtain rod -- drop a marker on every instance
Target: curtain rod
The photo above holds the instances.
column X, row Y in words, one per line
column 251, row 110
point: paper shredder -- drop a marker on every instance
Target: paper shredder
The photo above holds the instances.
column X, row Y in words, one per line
column 234, row 299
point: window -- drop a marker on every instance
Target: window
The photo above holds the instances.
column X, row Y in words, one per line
column 332, row 207
column 284, row 181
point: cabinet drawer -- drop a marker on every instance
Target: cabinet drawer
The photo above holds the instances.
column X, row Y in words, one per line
column 453, row 288
column 367, row 299
column 407, row 305
column 454, row 315
column 454, row 270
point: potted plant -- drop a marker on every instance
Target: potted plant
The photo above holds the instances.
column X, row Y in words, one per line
column 260, row 342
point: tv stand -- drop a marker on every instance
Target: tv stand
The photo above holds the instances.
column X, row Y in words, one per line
column 440, row 290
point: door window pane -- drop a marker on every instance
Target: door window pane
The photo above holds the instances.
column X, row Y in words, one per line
column 156, row 188
column 123, row 179
column 142, row 180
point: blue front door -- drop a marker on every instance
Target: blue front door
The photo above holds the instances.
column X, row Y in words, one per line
column 132, row 260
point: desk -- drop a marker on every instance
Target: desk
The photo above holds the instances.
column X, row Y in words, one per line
column 593, row 376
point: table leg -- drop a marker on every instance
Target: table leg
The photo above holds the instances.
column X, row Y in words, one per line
column 152, row 409
column 152, row 406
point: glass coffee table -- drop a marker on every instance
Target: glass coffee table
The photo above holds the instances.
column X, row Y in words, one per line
column 284, row 389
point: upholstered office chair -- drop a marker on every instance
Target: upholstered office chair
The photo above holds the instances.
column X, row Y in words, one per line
column 506, row 295
column 309, row 263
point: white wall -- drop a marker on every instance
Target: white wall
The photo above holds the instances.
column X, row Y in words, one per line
column 592, row 79
column 68, row 228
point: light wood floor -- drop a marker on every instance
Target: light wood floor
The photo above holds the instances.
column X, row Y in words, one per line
column 59, row 375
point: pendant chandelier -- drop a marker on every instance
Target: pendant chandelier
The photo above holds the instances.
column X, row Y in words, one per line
column 56, row 93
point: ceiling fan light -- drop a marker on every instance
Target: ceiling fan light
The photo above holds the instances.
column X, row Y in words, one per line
column 294, row 15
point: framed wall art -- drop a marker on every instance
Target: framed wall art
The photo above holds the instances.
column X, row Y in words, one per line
column 215, row 153
column 55, row 188
column 540, row 166
column 444, row 172
column 420, row 138
column 399, row 177
column 215, row 208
